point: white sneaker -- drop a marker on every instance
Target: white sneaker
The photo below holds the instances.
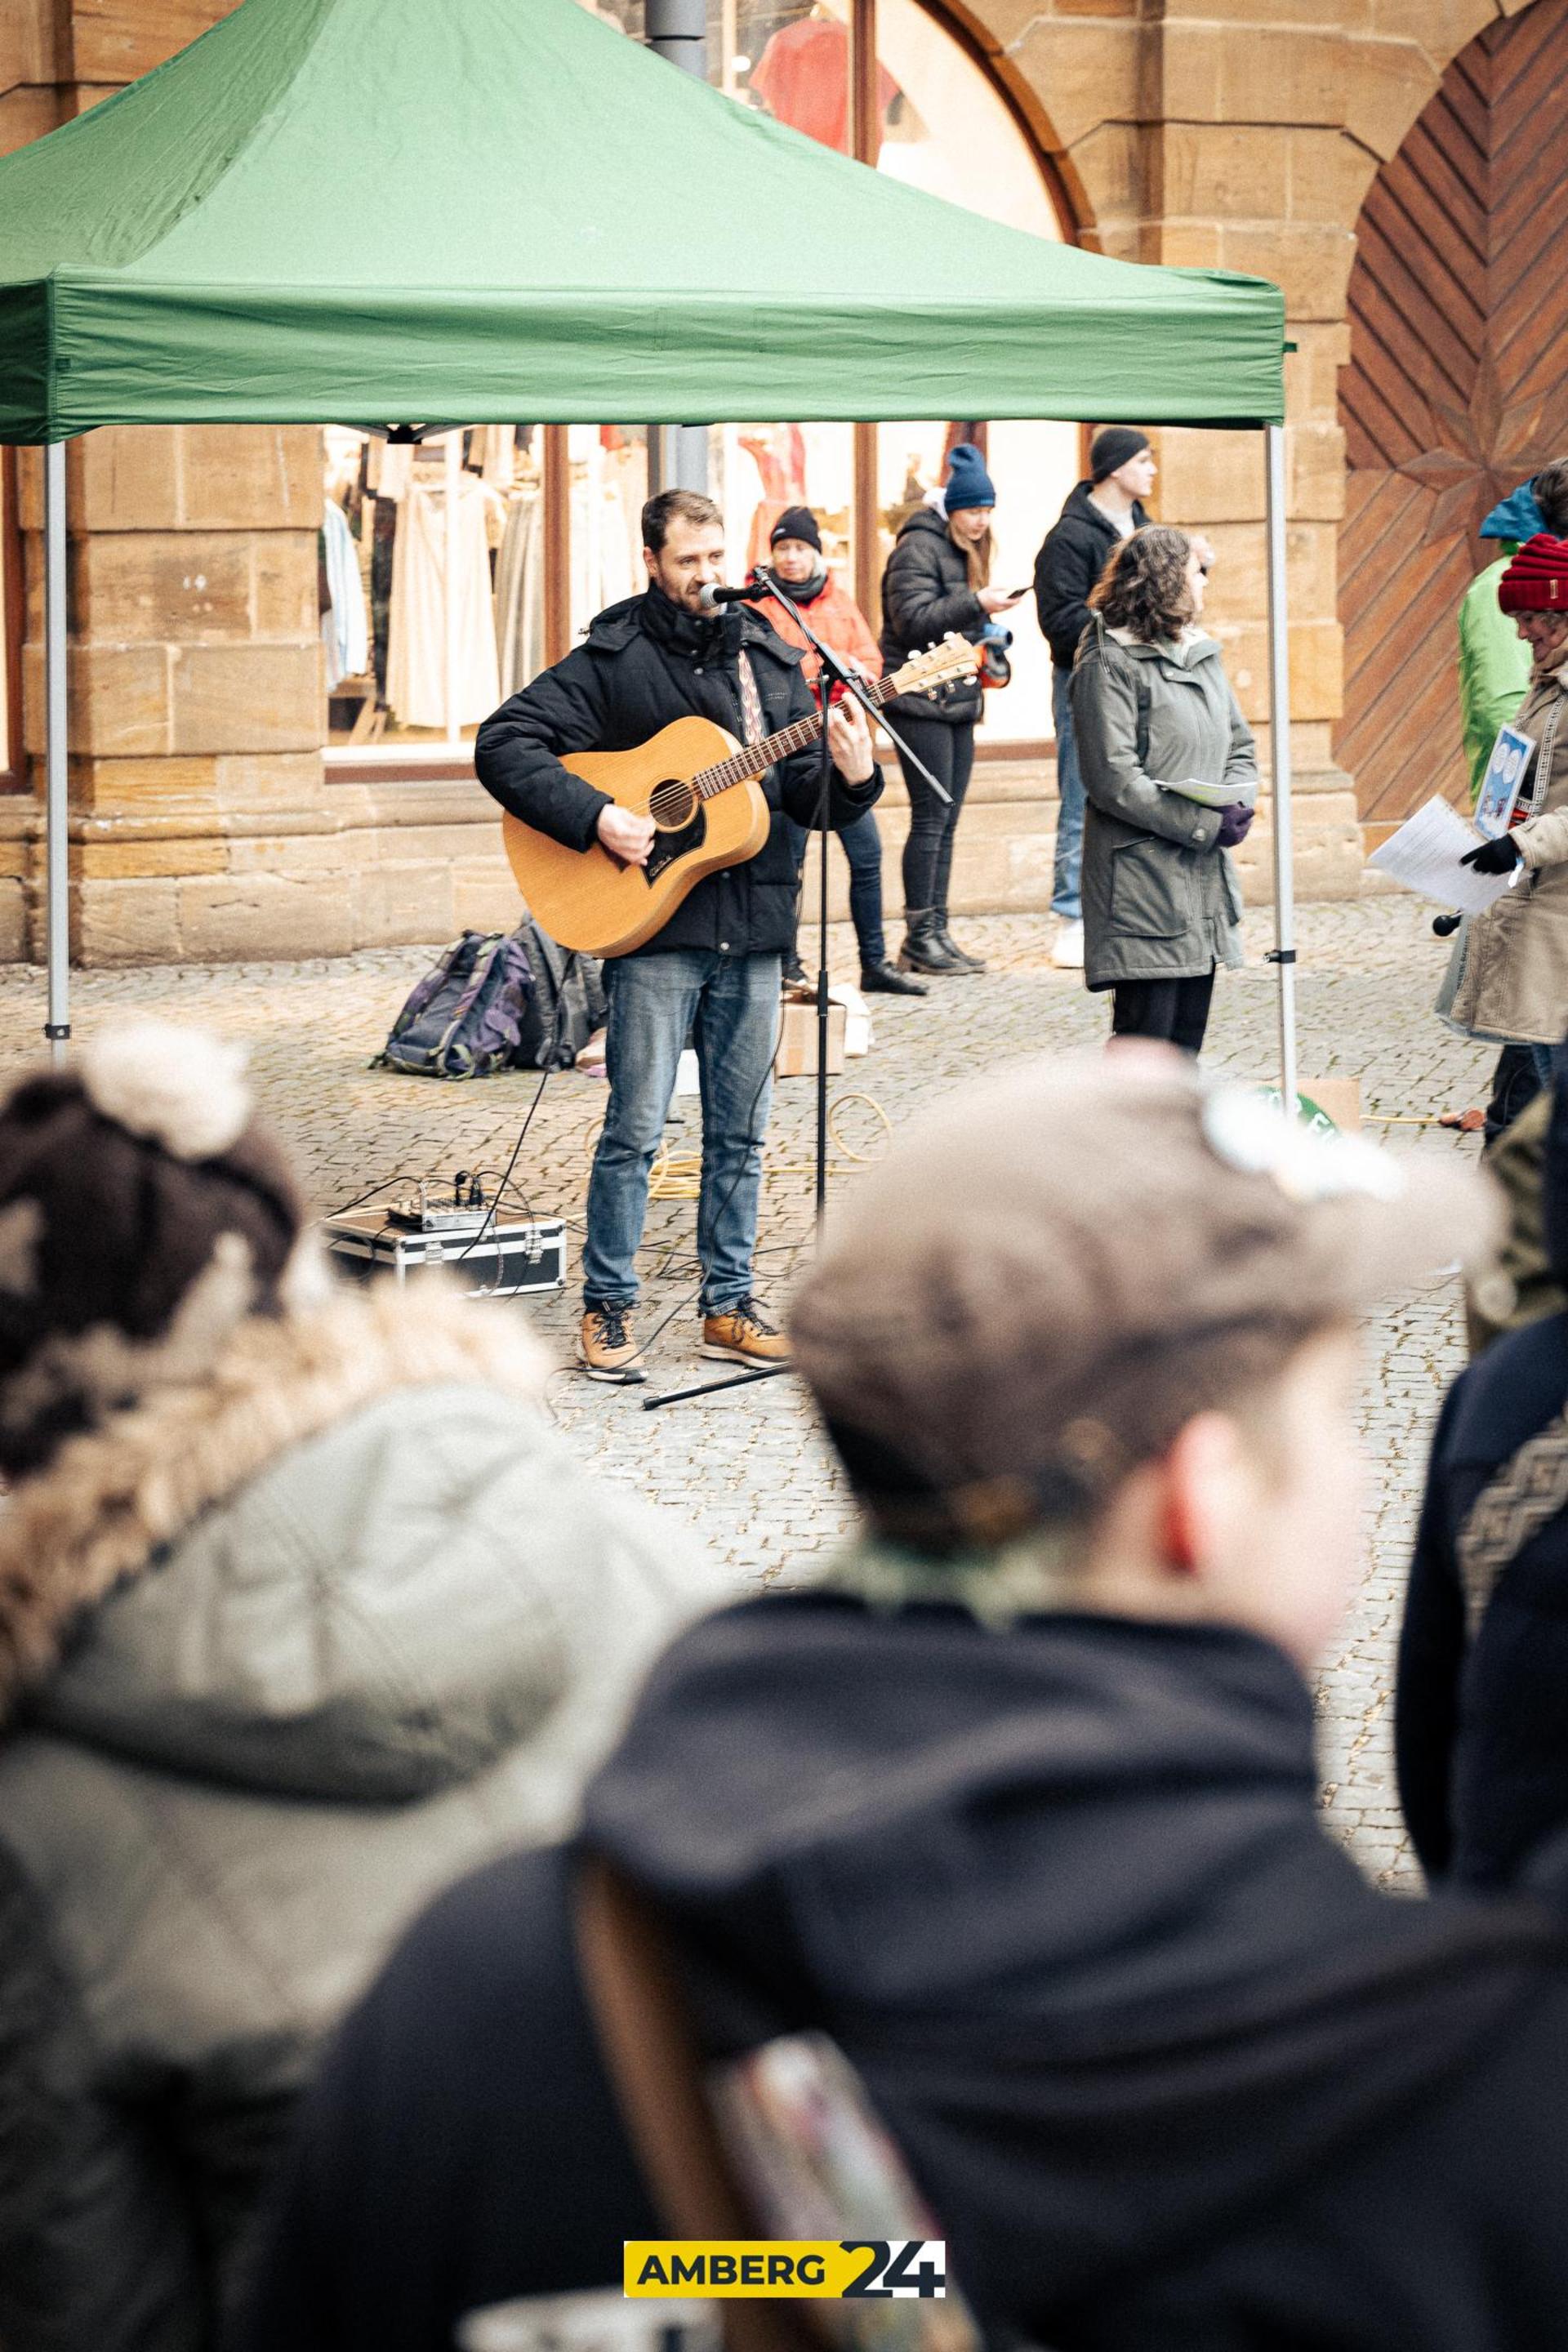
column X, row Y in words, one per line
column 1067, row 948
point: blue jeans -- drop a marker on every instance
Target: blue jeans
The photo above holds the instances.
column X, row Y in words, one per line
column 863, row 848
column 730, row 1004
column 1067, row 883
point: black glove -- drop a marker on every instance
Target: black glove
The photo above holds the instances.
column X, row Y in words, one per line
column 1443, row 926
column 1494, row 856
column 1235, row 824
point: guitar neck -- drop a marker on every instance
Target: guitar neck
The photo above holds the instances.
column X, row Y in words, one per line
column 755, row 758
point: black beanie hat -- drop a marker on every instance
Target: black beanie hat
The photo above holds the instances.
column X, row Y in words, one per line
column 796, row 522
column 141, row 1217
column 1114, row 445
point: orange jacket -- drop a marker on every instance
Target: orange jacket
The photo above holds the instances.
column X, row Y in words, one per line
column 839, row 622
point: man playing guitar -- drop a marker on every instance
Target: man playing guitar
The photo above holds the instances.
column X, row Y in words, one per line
column 713, row 970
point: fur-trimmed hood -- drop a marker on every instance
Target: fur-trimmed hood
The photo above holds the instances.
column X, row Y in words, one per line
column 301, row 1573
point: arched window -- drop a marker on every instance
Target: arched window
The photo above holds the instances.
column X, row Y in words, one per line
column 886, row 81
column 549, row 516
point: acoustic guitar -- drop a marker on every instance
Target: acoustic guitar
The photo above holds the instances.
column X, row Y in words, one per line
column 699, row 785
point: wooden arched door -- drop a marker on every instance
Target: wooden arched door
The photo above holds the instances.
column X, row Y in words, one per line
column 1457, row 389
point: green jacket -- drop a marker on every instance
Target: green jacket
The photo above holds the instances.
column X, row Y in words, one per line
column 1161, row 899
column 1494, row 668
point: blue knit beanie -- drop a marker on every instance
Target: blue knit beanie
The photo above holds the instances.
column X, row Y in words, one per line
column 968, row 484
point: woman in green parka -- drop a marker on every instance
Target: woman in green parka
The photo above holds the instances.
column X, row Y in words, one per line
column 1170, row 776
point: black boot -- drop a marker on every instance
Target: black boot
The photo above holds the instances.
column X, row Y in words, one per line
column 885, row 979
column 961, row 956
column 923, row 950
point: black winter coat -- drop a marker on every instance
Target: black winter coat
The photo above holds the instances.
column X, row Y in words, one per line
column 1070, row 560
column 1169, row 2071
column 926, row 592
column 645, row 663
column 1481, row 1726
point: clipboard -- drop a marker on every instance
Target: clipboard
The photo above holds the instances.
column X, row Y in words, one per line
column 1499, row 796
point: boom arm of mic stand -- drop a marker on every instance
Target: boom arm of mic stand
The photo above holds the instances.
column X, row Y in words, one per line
column 833, row 667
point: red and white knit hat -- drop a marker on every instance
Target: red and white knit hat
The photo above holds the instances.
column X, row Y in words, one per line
column 1537, row 578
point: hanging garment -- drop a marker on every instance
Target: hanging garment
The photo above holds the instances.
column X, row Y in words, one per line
column 802, row 79
column 416, row 653
column 345, row 624
column 499, row 455
column 520, row 593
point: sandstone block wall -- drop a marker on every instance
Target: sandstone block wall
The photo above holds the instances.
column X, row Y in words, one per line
column 1236, row 133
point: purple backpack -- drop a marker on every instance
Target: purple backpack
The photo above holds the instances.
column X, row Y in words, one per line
column 465, row 1018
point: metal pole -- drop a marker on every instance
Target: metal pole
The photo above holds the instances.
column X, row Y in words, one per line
column 56, row 805
column 451, row 451
column 678, row 30
column 1284, row 955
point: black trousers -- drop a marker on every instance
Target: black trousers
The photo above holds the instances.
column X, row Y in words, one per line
column 1515, row 1085
column 949, row 752
column 1175, row 1010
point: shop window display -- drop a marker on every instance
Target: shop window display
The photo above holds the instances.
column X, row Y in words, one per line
column 403, row 669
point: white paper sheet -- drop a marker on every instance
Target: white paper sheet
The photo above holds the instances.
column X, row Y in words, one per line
column 1424, row 857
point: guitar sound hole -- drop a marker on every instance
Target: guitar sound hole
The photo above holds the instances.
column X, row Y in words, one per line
column 672, row 803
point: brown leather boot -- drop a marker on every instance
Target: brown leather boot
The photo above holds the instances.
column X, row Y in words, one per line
column 605, row 1349
column 744, row 1334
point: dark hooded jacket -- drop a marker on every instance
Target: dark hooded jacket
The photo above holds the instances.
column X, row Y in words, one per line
column 646, row 663
column 1169, row 2071
column 1070, row 560
column 926, row 595
column 1481, row 1731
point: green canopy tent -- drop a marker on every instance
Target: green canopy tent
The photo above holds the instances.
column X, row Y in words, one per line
column 343, row 210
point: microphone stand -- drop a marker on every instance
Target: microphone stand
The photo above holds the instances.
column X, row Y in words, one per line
column 832, row 671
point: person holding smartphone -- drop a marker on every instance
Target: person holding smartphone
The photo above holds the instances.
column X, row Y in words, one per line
column 938, row 579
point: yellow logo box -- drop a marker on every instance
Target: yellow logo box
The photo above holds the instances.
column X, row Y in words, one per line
column 780, row 2269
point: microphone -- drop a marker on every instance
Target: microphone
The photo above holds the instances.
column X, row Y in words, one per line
column 711, row 598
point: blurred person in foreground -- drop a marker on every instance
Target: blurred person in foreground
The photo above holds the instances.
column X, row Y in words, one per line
column 795, row 551
column 1481, row 1728
column 303, row 1611
column 1171, row 776
column 1020, row 1805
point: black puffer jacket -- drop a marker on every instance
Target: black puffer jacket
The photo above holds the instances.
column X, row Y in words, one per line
column 1169, row 2071
column 645, row 663
column 1070, row 562
column 926, row 592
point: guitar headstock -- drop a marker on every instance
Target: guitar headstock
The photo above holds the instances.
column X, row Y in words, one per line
column 955, row 658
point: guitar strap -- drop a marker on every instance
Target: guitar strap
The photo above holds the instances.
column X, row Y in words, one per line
column 751, row 721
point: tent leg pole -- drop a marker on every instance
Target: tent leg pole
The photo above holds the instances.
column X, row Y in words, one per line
column 1284, row 955
column 451, row 452
column 56, row 811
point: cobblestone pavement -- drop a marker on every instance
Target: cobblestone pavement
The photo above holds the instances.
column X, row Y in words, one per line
column 748, row 1472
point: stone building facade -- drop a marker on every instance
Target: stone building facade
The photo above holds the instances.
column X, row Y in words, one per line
column 1246, row 133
